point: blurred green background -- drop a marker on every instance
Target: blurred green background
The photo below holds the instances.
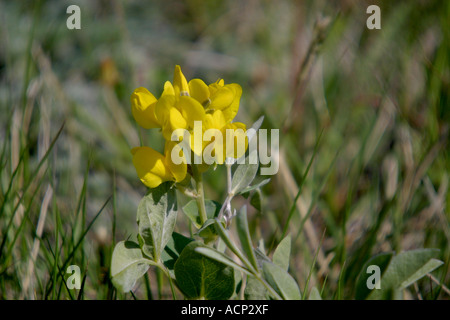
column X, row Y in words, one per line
column 378, row 100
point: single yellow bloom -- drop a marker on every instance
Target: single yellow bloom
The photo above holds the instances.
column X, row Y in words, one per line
column 217, row 96
column 179, row 107
column 143, row 108
column 183, row 103
column 153, row 168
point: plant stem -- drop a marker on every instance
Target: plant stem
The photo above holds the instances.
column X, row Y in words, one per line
column 200, row 194
column 167, row 274
column 226, row 207
column 228, row 166
column 269, row 288
column 230, row 194
column 254, row 272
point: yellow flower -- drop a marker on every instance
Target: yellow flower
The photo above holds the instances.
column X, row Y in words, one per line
column 153, row 168
column 176, row 109
column 143, row 108
column 217, row 96
column 228, row 139
column 179, row 107
column 221, row 103
column 171, row 151
column 183, row 103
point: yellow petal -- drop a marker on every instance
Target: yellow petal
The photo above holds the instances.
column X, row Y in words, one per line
column 213, row 151
column 168, row 89
column 196, row 140
column 199, row 90
column 208, row 121
column 169, row 116
column 213, row 87
column 236, row 141
column 176, row 120
column 180, row 84
column 167, row 132
column 215, row 120
column 143, row 108
column 141, row 98
column 230, row 112
column 162, row 109
column 150, row 166
column 191, row 110
column 219, row 119
column 222, row 98
column 178, row 171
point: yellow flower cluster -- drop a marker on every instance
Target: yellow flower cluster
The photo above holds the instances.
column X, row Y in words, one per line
column 179, row 107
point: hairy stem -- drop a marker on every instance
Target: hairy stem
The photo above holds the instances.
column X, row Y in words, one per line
column 200, row 194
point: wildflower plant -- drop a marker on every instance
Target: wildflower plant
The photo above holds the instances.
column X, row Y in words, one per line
column 197, row 123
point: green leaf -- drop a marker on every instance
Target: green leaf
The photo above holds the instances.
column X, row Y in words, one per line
column 156, row 217
column 208, row 231
column 255, row 200
column 282, row 253
column 255, row 186
column 199, row 277
column 191, row 211
column 238, row 281
column 244, row 236
column 314, row 294
column 255, row 290
column 261, row 256
column 423, row 271
column 256, row 125
column 127, row 265
column 173, row 250
column 243, row 176
column 281, row 281
column 405, row 269
column 382, row 261
column 220, row 257
column 261, row 246
column 226, row 239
